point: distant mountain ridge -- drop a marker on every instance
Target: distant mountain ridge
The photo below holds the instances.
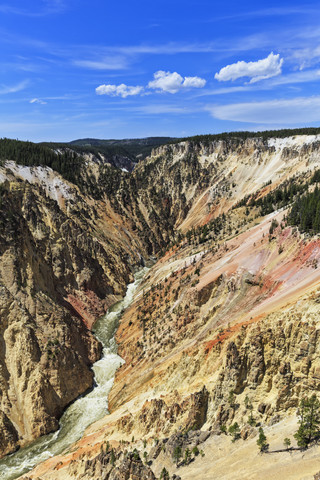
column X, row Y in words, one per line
column 134, row 148
column 119, row 153
column 150, row 141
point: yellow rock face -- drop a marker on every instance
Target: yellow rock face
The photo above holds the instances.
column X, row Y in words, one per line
column 223, row 329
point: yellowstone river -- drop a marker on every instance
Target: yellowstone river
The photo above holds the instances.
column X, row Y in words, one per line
column 85, row 410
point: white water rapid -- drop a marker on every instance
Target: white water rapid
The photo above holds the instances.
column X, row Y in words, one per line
column 85, row 410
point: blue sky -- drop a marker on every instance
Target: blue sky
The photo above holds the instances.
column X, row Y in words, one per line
column 76, row 68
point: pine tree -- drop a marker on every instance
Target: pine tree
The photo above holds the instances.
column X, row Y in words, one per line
column 232, row 398
column 287, row 442
column 251, row 419
column 164, row 474
column 262, row 441
column 187, row 455
column 234, row 431
column 309, row 422
column 195, row 451
column 113, row 457
column 177, row 454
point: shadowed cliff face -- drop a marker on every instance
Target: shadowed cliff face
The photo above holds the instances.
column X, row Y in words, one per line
column 234, row 311
column 65, row 257
column 62, row 264
column 53, row 282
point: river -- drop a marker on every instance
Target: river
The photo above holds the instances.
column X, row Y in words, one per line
column 86, row 409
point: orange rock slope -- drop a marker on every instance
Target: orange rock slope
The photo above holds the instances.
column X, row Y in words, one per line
column 216, row 325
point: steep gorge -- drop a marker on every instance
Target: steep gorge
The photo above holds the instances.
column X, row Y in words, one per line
column 233, row 313
column 60, row 271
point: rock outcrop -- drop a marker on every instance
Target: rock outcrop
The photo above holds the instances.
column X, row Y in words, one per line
column 223, row 330
column 58, row 273
column 112, row 465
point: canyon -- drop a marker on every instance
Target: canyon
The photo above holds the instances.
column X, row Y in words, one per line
column 223, row 327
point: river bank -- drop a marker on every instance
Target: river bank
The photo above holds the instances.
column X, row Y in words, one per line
column 86, row 409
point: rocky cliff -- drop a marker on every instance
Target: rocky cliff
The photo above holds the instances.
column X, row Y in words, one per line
column 60, row 269
column 224, row 327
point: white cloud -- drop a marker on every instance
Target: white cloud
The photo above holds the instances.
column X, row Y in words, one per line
column 194, row 82
column 300, row 110
column 4, row 89
column 223, row 91
column 163, row 82
column 296, row 77
column 166, row 81
column 170, row 48
column 121, row 57
column 155, row 109
column 173, row 82
column 266, row 68
column 307, row 57
column 107, row 63
column 292, row 78
column 38, row 100
column 119, row 90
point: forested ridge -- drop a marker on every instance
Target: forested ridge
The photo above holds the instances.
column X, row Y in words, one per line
column 305, row 212
column 295, row 193
column 244, row 135
column 68, row 163
column 133, row 148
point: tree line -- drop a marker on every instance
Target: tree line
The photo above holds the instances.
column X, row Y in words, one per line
column 67, row 163
column 244, row 135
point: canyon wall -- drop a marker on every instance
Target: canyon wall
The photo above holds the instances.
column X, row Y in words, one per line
column 224, row 325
